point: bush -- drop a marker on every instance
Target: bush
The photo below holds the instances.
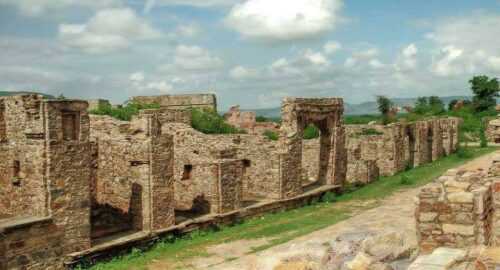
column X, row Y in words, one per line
column 311, row 132
column 405, row 180
column 464, row 153
column 271, row 135
column 370, row 131
column 261, row 119
column 210, row 122
column 328, row 197
column 123, row 112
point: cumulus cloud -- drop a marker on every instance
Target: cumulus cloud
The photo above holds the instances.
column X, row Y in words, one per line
column 150, row 4
column 241, row 73
column 108, row 30
column 466, row 45
column 195, row 58
column 364, row 58
column 407, row 59
column 284, row 20
column 42, row 7
column 188, row 30
column 307, row 61
column 332, row 47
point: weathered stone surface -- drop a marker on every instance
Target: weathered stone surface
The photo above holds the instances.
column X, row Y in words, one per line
column 387, row 247
column 440, row 259
column 461, row 197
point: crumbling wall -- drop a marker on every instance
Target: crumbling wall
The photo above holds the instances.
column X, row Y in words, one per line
column 493, row 131
column 203, row 101
column 310, row 160
column 22, row 166
column 133, row 183
column 95, row 104
column 30, row 243
column 455, row 211
column 237, row 118
column 376, row 143
column 195, row 153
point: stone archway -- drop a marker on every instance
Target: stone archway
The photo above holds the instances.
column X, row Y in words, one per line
column 326, row 115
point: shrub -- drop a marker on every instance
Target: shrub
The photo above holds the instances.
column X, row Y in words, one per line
column 210, row 122
column 261, row 119
column 464, row 153
column 405, row 180
column 370, row 131
column 311, row 132
column 123, row 112
column 328, row 197
column 271, row 135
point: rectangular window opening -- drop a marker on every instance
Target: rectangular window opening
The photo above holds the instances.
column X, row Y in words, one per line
column 188, row 169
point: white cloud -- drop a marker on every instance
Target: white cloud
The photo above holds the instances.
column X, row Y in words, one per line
column 306, row 62
column 160, row 86
column 284, row 20
column 448, row 62
column 108, row 30
column 137, row 77
column 407, row 60
column 188, row 30
column 43, row 7
column 364, row 57
column 332, row 47
column 150, row 4
column 241, row 73
column 466, row 45
column 195, row 58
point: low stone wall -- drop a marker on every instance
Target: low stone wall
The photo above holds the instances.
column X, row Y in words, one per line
column 493, row 131
column 30, row 243
column 456, row 211
column 146, row 240
column 204, row 101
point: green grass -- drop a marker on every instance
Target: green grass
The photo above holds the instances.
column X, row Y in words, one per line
column 285, row 226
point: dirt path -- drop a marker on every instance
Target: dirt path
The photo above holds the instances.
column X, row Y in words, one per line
column 395, row 213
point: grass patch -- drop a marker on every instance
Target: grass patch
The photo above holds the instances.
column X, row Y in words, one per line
column 285, row 226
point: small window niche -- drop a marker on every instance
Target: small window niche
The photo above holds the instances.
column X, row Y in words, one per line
column 70, row 125
column 247, row 163
column 16, row 173
column 187, row 173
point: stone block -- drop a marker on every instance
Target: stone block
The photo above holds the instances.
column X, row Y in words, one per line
column 461, row 197
column 467, row 230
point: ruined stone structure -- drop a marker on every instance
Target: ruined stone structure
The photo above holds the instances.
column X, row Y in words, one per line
column 374, row 150
column 460, row 210
column 70, row 182
column 297, row 114
column 44, row 177
column 95, row 104
column 203, row 101
column 247, row 121
column 493, row 131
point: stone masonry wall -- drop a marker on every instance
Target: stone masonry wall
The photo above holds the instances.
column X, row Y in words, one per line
column 134, row 173
column 204, row 101
column 194, row 149
column 455, row 211
column 493, row 131
column 30, row 243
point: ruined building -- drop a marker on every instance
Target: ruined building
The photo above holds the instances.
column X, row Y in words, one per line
column 493, row 131
column 203, row 101
column 76, row 187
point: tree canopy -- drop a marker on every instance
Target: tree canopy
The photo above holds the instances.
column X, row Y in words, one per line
column 485, row 92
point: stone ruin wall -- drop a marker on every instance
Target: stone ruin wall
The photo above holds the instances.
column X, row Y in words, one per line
column 493, row 131
column 297, row 114
column 47, row 156
column 202, row 101
column 247, row 121
column 391, row 151
column 459, row 210
column 203, row 154
column 133, row 174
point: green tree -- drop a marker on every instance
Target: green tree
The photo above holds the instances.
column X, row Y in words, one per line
column 485, row 91
column 385, row 106
column 421, row 105
column 436, row 105
column 61, row 97
column 452, row 104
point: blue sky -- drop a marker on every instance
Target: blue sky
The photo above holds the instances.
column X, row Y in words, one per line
column 248, row 52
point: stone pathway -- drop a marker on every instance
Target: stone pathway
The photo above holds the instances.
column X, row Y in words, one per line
column 395, row 213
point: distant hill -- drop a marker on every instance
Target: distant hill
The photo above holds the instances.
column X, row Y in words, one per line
column 369, row 107
column 13, row 93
